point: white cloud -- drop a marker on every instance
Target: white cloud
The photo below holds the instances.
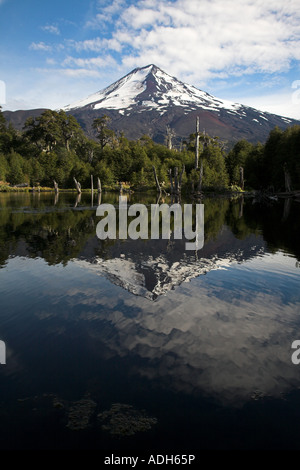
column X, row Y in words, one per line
column 90, row 63
column 107, row 15
column 286, row 103
column 51, row 29
column 198, row 41
column 202, row 40
column 40, row 46
column 50, row 61
column 70, row 72
column 81, row 72
column 95, row 45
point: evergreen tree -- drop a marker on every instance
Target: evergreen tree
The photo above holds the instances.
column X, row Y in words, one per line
column 104, row 134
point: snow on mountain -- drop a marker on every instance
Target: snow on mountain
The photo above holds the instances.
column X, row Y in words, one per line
column 148, row 100
column 160, row 90
column 125, row 273
column 155, row 268
column 119, row 95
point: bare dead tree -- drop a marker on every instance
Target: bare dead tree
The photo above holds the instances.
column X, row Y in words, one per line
column 241, row 207
column 242, row 178
column 78, row 185
column 287, row 179
column 170, row 135
column 99, row 186
column 197, row 143
column 287, row 208
column 158, row 188
column 176, row 180
column 171, row 181
column 200, row 177
column 55, row 187
column 78, row 199
column 180, row 178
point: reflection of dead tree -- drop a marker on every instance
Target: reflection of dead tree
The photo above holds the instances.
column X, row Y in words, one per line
column 56, row 196
column 287, row 179
column 287, row 208
column 177, row 183
column 92, row 191
column 78, row 185
column 78, row 199
column 241, row 207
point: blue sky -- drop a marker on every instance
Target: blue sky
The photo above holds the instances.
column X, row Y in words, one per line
column 53, row 53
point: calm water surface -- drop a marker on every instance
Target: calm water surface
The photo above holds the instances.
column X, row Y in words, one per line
column 141, row 344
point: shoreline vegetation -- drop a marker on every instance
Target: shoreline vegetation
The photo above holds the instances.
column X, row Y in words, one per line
column 52, row 153
column 7, row 188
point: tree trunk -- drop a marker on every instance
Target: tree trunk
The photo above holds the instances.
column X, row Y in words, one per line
column 197, row 144
column 78, row 185
column 287, row 208
column 158, row 188
column 78, row 199
column 241, row 177
column 99, row 186
column 200, row 177
column 241, row 207
column 170, row 135
column 176, row 180
column 55, row 187
column 287, row 179
column 92, row 183
column 171, row 181
column 180, row 178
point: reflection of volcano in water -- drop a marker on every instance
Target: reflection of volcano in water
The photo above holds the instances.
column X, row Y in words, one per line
column 151, row 269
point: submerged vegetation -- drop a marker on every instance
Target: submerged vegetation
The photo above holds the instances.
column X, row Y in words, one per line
column 53, row 147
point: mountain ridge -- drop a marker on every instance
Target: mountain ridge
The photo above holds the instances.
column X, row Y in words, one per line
column 148, row 100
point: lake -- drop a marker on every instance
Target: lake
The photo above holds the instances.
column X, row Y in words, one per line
column 141, row 344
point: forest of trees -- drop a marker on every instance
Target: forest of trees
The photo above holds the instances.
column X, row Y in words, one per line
column 54, row 147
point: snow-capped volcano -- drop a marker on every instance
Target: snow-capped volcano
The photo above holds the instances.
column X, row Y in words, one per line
column 148, row 100
column 152, row 88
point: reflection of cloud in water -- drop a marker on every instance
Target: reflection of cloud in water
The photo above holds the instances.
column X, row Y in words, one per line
column 200, row 338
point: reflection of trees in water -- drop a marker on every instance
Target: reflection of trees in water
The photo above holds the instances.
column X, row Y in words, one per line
column 56, row 236
column 278, row 223
column 58, row 233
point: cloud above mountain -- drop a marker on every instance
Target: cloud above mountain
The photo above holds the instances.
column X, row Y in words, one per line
column 227, row 47
column 211, row 38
